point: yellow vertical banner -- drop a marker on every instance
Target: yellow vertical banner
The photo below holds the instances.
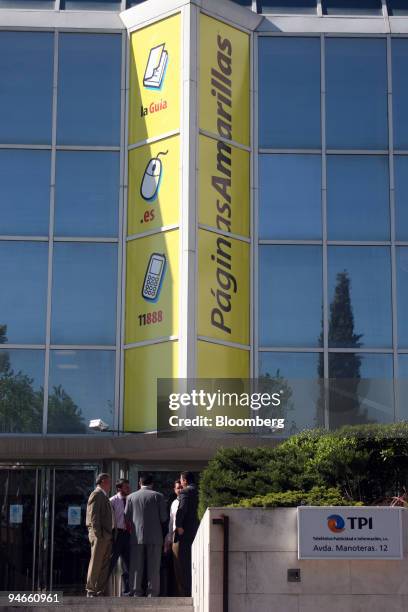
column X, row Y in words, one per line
column 223, row 186
column 154, row 192
column 224, row 80
column 152, row 287
column 143, row 366
column 154, row 96
column 152, row 255
column 223, row 293
column 224, row 201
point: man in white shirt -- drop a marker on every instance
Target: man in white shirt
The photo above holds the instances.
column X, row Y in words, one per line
column 172, row 522
column 121, row 534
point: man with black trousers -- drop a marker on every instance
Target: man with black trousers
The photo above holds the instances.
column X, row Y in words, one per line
column 186, row 529
column 121, row 533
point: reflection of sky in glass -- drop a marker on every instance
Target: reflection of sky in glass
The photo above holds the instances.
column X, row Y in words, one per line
column 23, row 300
column 358, row 197
column 300, row 370
column 89, row 89
column 289, row 92
column 290, row 285
column 91, row 5
column 88, row 377
column 401, row 197
column 28, row 362
column 87, row 193
column 84, row 293
column 370, row 290
column 24, row 192
column 354, row 7
column 400, row 92
column 403, row 386
column 375, row 389
column 290, row 197
column 356, row 93
column 402, row 295
column 289, row 6
column 26, row 71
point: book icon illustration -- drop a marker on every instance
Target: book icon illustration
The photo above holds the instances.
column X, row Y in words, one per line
column 156, row 67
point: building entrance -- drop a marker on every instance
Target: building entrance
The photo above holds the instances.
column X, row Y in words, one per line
column 43, row 537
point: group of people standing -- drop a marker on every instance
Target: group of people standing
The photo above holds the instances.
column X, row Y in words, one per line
column 138, row 528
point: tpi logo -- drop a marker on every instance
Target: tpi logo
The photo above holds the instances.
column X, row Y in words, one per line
column 337, row 524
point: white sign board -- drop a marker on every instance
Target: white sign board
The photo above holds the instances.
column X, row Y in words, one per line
column 16, row 513
column 349, row 532
column 74, row 515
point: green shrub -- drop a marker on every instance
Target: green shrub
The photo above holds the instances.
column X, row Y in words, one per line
column 364, row 463
column 317, row 496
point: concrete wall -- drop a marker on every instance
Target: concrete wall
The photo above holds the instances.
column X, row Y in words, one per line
column 263, row 546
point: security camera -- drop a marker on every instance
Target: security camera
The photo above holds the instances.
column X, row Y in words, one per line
column 98, row 424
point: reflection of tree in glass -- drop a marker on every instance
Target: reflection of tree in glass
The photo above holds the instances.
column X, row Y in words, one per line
column 63, row 414
column 21, row 406
column 345, row 368
column 277, row 384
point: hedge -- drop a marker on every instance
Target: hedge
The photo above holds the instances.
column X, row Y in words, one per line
column 364, row 463
column 317, row 496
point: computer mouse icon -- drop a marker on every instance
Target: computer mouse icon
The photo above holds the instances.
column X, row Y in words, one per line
column 149, row 187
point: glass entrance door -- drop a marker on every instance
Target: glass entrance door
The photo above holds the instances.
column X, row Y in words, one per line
column 43, row 536
column 18, row 528
column 69, row 542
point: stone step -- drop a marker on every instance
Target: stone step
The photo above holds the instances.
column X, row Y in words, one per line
column 110, row 604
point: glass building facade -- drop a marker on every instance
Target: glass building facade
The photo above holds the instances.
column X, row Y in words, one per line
column 329, row 242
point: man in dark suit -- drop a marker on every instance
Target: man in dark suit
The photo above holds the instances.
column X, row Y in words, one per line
column 146, row 511
column 186, row 529
column 99, row 520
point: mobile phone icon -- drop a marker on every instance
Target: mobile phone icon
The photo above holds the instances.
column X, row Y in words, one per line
column 153, row 279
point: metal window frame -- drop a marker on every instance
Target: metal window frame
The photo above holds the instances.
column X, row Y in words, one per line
column 29, row 19
column 392, row 243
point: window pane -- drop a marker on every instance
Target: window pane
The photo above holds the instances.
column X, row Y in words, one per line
column 353, row 7
column 290, row 6
column 359, row 297
column 356, row 93
column 358, row 197
column 24, row 192
column 290, row 286
column 289, row 92
column 402, row 293
column 401, row 197
column 21, row 390
column 360, row 389
column 290, row 196
column 26, row 72
column 23, row 300
column 81, row 388
column 28, row 4
column 400, row 92
column 91, row 5
column 89, row 89
column 300, row 373
column 87, row 193
column 84, row 294
column 397, row 7
column 403, row 387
